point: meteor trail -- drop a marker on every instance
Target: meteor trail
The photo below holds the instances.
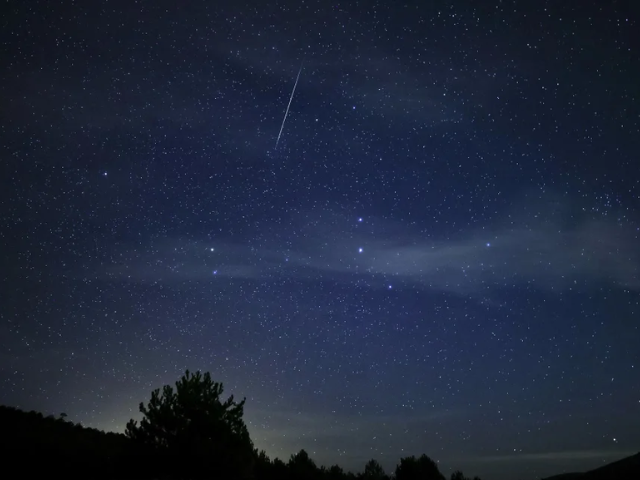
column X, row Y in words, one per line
column 287, row 111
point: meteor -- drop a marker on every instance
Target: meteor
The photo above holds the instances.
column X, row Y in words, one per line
column 287, row 111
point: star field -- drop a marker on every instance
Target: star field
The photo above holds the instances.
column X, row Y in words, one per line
column 440, row 256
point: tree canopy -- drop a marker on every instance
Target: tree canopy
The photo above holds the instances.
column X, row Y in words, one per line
column 192, row 425
column 373, row 471
column 423, row 468
column 187, row 431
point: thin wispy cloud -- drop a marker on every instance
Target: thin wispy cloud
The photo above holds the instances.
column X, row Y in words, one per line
column 543, row 254
column 385, row 85
column 543, row 258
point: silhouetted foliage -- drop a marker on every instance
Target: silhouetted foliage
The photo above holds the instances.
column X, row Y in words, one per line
column 192, row 432
column 423, row 468
column 186, row 432
column 59, row 448
column 279, row 469
column 373, row 471
column 262, row 465
column 335, row 472
column 301, row 467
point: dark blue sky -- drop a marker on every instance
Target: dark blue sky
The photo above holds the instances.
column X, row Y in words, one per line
column 440, row 256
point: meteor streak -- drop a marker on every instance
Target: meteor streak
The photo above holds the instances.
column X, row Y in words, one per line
column 287, row 111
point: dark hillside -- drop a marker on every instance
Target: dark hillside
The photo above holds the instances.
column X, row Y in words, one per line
column 625, row 469
column 39, row 444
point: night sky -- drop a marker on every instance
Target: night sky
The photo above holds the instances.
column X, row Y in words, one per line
column 441, row 256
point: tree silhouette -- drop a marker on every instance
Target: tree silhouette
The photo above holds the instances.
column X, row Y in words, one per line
column 279, row 469
column 423, row 468
column 335, row 472
column 190, row 430
column 301, row 466
column 263, row 467
column 373, row 471
column 185, row 433
column 458, row 475
column 267, row 469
